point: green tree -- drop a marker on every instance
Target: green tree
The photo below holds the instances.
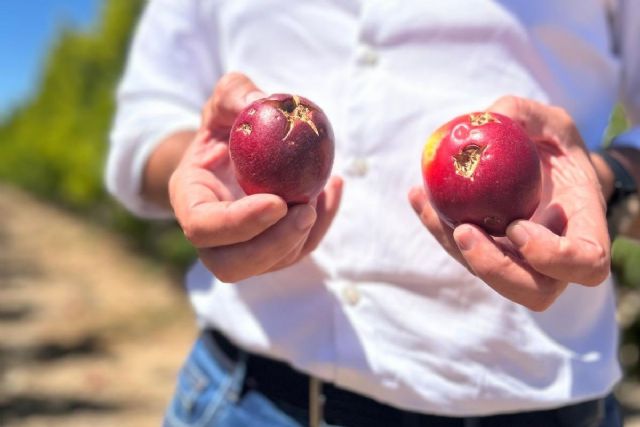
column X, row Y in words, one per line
column 54, row 145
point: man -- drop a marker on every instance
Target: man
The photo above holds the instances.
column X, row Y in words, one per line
column 349, row 297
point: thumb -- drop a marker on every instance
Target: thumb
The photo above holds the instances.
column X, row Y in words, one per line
column 233, row 92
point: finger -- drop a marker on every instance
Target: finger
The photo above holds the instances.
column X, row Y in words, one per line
column 555, row 134
column 504, row 272
column 310, row 242
column 553, row 217
column 567, row 258
column 543, row 123
column 214, row 160
column 292, row 257
column 194, row 182
column 326, row 209
column 233, row 92
column 190, row 186
column 236, row 262
column 526, row 112
column 214, row 224
column 206, row 152
column 429, row 217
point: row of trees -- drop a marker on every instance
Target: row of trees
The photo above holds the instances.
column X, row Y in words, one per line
column 54, row 145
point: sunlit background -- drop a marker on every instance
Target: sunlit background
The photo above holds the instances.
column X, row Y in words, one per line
column 27, row 30
column 93, row 323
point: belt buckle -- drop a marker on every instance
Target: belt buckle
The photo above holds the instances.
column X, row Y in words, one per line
column 316, row 402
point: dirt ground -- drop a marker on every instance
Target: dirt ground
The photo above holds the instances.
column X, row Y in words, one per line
column 92, row 334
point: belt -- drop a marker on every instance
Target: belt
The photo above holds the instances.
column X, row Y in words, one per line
column 288, row 388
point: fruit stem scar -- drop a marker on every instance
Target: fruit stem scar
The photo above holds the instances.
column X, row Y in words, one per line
column 468, row 160
column 300, row 113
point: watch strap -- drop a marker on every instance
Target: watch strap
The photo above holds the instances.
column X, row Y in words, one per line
column 624, row 184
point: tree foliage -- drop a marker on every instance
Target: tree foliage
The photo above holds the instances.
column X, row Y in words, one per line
column 55, row 143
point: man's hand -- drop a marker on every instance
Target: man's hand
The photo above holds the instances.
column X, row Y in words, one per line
column 239, row 236
column 565, row 241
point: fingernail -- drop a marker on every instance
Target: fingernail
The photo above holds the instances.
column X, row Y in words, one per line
column 305, row 217
column 465, row 238
column 518, row 234
column 253, row 96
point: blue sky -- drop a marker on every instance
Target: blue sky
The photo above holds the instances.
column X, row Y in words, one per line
column 27, row 29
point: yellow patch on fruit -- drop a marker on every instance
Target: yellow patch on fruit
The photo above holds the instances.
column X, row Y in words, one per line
column 431, row 146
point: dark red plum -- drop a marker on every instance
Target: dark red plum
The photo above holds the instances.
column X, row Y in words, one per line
column 283, row 145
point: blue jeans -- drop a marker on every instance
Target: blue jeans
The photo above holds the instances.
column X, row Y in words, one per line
column 209, row 394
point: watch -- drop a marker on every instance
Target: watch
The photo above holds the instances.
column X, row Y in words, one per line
column 623, row 185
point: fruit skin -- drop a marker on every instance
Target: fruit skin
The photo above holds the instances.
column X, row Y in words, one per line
column 482, row 168
column 282, row 144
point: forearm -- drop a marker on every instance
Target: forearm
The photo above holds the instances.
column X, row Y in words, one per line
column 161, row 164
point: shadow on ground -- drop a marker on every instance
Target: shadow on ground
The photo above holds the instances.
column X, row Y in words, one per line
column 92, row 334
column 17, row 407
column 90, row 345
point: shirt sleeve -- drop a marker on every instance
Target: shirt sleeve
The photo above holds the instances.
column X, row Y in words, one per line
column 171, row 70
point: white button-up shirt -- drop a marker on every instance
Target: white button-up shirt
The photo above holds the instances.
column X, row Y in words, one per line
column 379, row 307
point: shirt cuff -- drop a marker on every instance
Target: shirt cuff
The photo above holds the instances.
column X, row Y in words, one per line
column 126, row 163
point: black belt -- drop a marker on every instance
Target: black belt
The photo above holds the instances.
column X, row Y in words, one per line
column 288, row 388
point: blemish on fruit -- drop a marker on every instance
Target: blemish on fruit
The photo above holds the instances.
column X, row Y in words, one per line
column 480, row 119
column 251, row 111
column 300, row 113
column 245, row 128
column 467, row 160
column 492, row 221
column 461, row 131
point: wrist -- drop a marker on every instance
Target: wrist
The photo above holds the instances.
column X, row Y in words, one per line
column 161, row 164
column 605, row 174
column 624, row 183
column 621, row 195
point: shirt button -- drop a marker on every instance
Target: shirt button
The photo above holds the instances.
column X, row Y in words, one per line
column 367, row 56
column 358, row 167
column 350, row 294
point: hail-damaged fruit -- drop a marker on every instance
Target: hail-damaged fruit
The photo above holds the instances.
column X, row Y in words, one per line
column 282, row 144
column 481, row 168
